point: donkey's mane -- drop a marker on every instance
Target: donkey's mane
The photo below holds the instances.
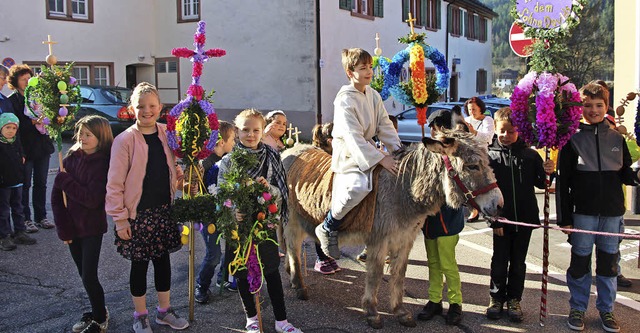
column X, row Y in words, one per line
column 421, row 170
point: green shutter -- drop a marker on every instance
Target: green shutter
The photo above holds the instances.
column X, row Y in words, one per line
column 486, row 30
column 378, row 8
column 449, row 19
column 406, row 8
column 461, row 23
column 438, row 14
column 476, row 26
column 465, row 25
column 345, row 4
column 423, row 13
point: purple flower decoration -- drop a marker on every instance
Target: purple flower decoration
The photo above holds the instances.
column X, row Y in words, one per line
column 254, row 270
column 552, row 124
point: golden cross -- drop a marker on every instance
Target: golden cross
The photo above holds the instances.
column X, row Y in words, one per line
column 296, row 134
column 50, row 43
column 410, row 21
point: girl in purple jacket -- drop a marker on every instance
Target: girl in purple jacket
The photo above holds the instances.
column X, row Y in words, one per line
column 81, row 220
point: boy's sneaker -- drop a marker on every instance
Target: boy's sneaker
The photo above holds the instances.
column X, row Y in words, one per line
column 323, row 267
column 7, row 244
column 623, row 281
column 93, row 328
column 31, row 226
column 576, row 320
column 430, row 310
column 141, row 324
column 288, row 328
column 21, row 237
column 231, row 286
column 45, row 224
column 609, row 322
column 85, row 320
column 328, row 241
column 334, row 265
column 515, row 311
column 201, row 294
column 171, row 319
column 494, row 311
column 454, row 315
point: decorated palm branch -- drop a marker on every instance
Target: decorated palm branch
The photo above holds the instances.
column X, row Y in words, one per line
column 240, row 193
column 546, row 107
column 421, row 89
column 52, row 99
column 192, row 134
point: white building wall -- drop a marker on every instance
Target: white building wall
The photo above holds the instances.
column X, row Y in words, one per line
column 118, row 34
column 271, row 49
column 341, row 30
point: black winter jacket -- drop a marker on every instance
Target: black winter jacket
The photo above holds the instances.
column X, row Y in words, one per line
column 11, row 167
column 592, row 167
column 518, row 168
column 34, row 144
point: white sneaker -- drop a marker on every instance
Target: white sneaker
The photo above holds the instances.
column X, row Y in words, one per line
column 288, row 328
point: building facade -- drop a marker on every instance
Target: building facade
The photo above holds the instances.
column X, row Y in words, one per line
column 280, row 55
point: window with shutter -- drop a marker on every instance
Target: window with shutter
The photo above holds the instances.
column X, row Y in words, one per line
column 481, row 81
column 378, row 8
column 345, row 4
column 406, row 8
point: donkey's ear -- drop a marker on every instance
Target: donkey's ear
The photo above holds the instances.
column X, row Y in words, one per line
column 444, row 146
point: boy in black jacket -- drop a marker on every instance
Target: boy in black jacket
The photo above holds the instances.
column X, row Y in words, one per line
column 518, row 168
column 11, row 176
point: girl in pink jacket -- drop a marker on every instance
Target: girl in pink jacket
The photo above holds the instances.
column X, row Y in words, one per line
column 143, row 177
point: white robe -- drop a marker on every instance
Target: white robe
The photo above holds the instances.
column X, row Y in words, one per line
column 358, row 117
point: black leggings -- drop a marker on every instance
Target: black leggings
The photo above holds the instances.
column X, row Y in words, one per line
column 86, row 254
column 161, row 275
column 276, row 294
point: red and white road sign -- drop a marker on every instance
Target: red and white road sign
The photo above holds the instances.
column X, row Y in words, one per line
column 519, row 42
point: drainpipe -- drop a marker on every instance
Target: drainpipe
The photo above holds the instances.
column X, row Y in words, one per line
column 446, row 45
column 318, row 69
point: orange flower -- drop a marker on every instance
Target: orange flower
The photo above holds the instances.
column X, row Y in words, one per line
column 261, row 216
column 418, row 79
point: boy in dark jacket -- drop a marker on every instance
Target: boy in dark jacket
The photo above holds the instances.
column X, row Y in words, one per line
column 592, row 167
column 441, row 235
column 11, row 176
column 518, row 168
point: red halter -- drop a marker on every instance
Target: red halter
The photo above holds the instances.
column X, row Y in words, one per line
column 470, row 195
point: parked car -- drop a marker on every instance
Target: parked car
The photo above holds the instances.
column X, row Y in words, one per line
column 109, row 102
column 408, row 128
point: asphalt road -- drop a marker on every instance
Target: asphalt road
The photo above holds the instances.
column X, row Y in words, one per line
column 40, row 290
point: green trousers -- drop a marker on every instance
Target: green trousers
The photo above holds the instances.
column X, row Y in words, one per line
column 441, row 254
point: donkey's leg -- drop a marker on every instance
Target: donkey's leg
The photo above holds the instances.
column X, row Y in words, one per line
column 398, row 270
column 294, row 235
column 376, row 253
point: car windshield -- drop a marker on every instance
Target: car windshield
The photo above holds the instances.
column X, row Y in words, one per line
column 117, row 95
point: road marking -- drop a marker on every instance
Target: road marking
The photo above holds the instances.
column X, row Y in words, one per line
column 558, row 276
column 473, row 232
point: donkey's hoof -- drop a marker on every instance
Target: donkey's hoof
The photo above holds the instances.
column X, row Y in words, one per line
column 375, row 322
column 302, row 294
column 407, row 321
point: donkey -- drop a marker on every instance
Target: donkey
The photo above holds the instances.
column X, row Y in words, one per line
column 401, row 205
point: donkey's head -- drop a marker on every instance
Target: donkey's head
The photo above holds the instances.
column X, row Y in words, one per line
column 467, row 178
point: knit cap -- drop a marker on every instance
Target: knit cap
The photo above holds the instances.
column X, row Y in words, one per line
column 5, row 119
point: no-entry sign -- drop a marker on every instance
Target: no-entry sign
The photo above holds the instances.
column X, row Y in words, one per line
column 519, row 42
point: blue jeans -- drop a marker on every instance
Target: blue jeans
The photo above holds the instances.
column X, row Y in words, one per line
column 211, row 258
column 39, row 169
column 606, row 262
column 11, row 208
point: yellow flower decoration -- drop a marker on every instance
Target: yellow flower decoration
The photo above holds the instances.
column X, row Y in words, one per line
column 418, row 78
